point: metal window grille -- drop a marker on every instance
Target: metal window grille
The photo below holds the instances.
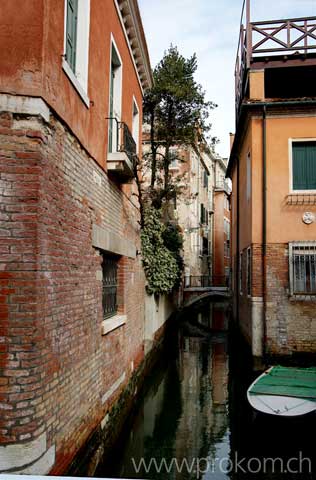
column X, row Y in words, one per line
column 302, row 266
column 109, row 286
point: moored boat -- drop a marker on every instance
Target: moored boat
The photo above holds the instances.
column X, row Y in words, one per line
column 284, row 391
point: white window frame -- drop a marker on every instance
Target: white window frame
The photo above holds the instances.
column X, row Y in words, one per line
column 135, row 123
column 79, row 78
column 290, row 143
column 117, row 92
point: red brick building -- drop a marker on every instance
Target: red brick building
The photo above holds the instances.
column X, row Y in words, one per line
column 221, row 244
column 72, row 77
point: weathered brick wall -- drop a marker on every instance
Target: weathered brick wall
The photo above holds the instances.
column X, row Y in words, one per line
column 245, row 318
column 58, row 373
column 291, row 325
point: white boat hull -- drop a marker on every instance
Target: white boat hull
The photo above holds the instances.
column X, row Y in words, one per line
column 280, row 405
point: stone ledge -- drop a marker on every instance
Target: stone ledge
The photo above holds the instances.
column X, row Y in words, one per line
column 27, row 457
column 113, row 323
column 113, row 388
column 112, row 242
column 25, row 105
column 302, row 298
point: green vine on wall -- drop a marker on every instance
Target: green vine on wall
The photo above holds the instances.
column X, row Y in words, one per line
column 160, row 253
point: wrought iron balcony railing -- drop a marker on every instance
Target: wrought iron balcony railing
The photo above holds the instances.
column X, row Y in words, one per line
column 121, row 139
column 223, row 185
column 122, row 151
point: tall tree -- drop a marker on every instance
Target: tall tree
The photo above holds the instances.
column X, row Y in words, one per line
column 177, row 112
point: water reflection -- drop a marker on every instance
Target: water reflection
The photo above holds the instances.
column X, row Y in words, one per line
column 194, row 421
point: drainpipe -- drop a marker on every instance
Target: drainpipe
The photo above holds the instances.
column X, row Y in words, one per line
column 264, row 223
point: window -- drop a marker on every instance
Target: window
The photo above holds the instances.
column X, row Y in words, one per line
column 302, row 266
column 76, row 44
column 109, row 285
column 71, row 33
column 205, row 250
column 240, row 273
column 205, row 183
column 249, row 271
column 304, row 165
column 202, row 219
column 115, row 103
column 204, row 215
column 135, row 124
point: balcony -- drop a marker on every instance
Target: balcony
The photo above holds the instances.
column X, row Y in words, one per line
column 122, row 151
column 273, row 45
column 223, row 185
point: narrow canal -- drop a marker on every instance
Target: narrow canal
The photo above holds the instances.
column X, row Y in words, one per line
column 193, row 420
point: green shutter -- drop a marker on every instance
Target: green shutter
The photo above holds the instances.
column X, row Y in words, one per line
column 71, row 33
column 304, row 166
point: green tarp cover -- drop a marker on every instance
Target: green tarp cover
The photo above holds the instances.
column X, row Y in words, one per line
column 288, row 382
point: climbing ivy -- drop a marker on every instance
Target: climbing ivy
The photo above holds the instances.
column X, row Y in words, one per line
column 161, row 265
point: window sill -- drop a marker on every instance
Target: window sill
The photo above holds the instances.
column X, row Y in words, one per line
column 302, row 298
column 72, row 77
column 113, row 323
column 301, row 198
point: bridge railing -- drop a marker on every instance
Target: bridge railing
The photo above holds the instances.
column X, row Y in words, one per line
column 206, row 281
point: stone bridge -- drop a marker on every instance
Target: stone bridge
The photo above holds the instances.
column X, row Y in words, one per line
column 199, row 288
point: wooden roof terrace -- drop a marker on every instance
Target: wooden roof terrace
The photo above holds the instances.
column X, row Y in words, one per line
column 271, row 44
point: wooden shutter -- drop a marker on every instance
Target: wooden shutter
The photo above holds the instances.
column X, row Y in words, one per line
column 304, row 166
column 71, row 32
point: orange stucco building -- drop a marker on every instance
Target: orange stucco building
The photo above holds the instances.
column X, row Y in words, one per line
column 273, row 170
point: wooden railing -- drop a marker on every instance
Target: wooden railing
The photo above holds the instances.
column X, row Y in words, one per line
column 284, row 36
column 268, row 38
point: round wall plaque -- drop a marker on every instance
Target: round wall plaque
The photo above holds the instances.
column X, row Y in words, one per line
column 308, row 218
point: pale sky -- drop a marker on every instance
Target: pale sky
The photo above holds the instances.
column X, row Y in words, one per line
column 210, row 28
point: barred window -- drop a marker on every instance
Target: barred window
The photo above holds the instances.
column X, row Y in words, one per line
column 302, row 258
column 109, row 285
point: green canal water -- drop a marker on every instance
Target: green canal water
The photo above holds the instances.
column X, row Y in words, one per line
column 193, row 420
